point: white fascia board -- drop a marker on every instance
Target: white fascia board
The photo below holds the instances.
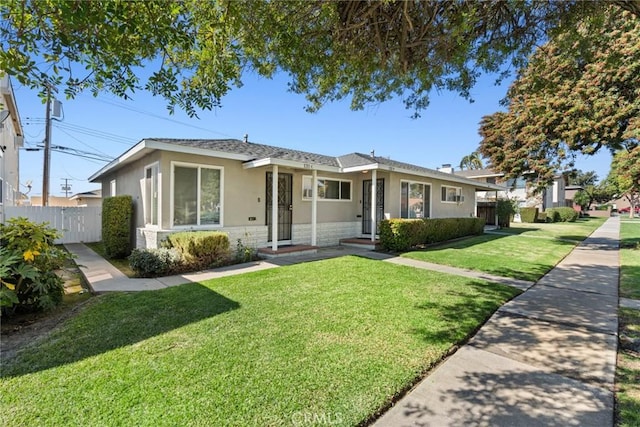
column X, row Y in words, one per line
column 370, row 166
column 125, row 158
column 268, row 161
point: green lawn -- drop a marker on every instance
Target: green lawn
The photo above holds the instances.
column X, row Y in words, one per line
column 121, row 264
column 527, row 252
column 334, row 339
column 628, row 371
column 630, row 259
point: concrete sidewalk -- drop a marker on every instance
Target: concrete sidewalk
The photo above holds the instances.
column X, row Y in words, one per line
column 546, row 358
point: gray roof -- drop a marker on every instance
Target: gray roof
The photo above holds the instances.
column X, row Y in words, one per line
column 255, row 151
column 249, row 151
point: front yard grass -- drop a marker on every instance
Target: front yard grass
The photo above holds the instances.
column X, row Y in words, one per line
column 121, row 264
column 630, row 259
column 331, row 340
column 527, row 252
column 628, row 370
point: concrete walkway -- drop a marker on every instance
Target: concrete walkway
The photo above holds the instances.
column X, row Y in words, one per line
column 546, row 358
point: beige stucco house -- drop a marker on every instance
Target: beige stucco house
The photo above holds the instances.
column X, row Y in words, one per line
column 231, row 185
column 11, row 140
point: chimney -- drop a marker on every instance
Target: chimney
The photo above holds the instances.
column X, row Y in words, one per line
column 447, row 168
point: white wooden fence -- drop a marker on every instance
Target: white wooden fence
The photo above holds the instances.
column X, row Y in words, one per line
column 76, row 224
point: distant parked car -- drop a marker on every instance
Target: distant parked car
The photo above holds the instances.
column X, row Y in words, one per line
column 626, row 210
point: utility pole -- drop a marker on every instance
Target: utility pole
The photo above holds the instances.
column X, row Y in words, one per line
column 47, row 150
column 66, row 187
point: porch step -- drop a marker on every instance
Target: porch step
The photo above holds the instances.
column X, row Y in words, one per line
column 361, row 243
column 290, row 250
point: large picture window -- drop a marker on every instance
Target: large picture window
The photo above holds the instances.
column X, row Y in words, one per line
column 415, row 200
column 451, row 194
column 328, row 189
column 196, row 195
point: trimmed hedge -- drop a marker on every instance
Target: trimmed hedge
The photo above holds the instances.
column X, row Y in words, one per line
column 201, row 249
column 528, row 214
column 563, row 214
column 154, row 262
column 402, row 234
column 117, row 212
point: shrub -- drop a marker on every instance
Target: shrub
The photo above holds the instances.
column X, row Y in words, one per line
column 116, row 226
column 201, row 249
column 505, row 210
column 568, row 214
column 552, row 215
column 563, row 214
column 541, row 217
column 402, row 234
column 528, row 214
column 154, row 262
column 28, row 263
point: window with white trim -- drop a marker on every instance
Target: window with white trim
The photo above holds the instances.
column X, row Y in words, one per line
column 415, row 200
column 151, row 194
column 112, row 188
column 1, row 191
column 197, row 195
column 451, row 194
column 328, row 188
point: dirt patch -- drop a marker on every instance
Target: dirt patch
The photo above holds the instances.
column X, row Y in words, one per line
column 23, row 330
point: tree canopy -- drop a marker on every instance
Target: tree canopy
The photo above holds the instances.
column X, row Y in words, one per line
column 365, row 51
column 471, row 161
column 579, row 93
column 625, row 176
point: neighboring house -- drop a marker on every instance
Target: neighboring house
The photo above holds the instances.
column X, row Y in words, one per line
column 517, row 189
column 11, row 140
column 570, row 195
column 231, row 185
column 88, row 198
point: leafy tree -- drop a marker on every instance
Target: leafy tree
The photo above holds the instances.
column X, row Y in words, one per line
column 367, row 51
column 625, row 176
column 583, row 179
column 579, row 93
column 471, row 161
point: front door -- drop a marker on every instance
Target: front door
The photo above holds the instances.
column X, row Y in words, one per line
column 285, row 205
column 366, row 204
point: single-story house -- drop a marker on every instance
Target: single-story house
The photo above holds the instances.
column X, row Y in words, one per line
column 231, row 185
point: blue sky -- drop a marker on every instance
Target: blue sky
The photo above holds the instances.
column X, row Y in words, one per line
column 269, row 114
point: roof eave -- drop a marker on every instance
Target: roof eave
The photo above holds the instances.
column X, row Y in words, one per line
column 270, row 161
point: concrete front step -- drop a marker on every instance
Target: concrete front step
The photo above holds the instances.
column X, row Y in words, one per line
column 361, row 243
column 290, row 250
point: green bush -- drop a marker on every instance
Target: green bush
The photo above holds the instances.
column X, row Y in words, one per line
column 154, row 262
column 201, row 249
column 116, row 226
column 552, row 215
column 505, row 210
column 402, row 234
column 28, row 263
column 528, row 214
column 563, row 214
column 568, row 214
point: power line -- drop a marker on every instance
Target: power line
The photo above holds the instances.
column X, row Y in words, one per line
column 86, row 145
column 157, row 116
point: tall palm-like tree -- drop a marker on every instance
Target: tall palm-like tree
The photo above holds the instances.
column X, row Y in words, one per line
column 471, row 161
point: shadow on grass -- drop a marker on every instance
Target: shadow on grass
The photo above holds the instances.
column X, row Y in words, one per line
column 119, row 320
column 462, row 318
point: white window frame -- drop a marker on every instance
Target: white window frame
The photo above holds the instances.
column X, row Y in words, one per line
column 1, row 191
column 112, row 188
column 458, row 194
column 409, row 182
column 197, row 226
column 152, row 166
column 308, row 196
